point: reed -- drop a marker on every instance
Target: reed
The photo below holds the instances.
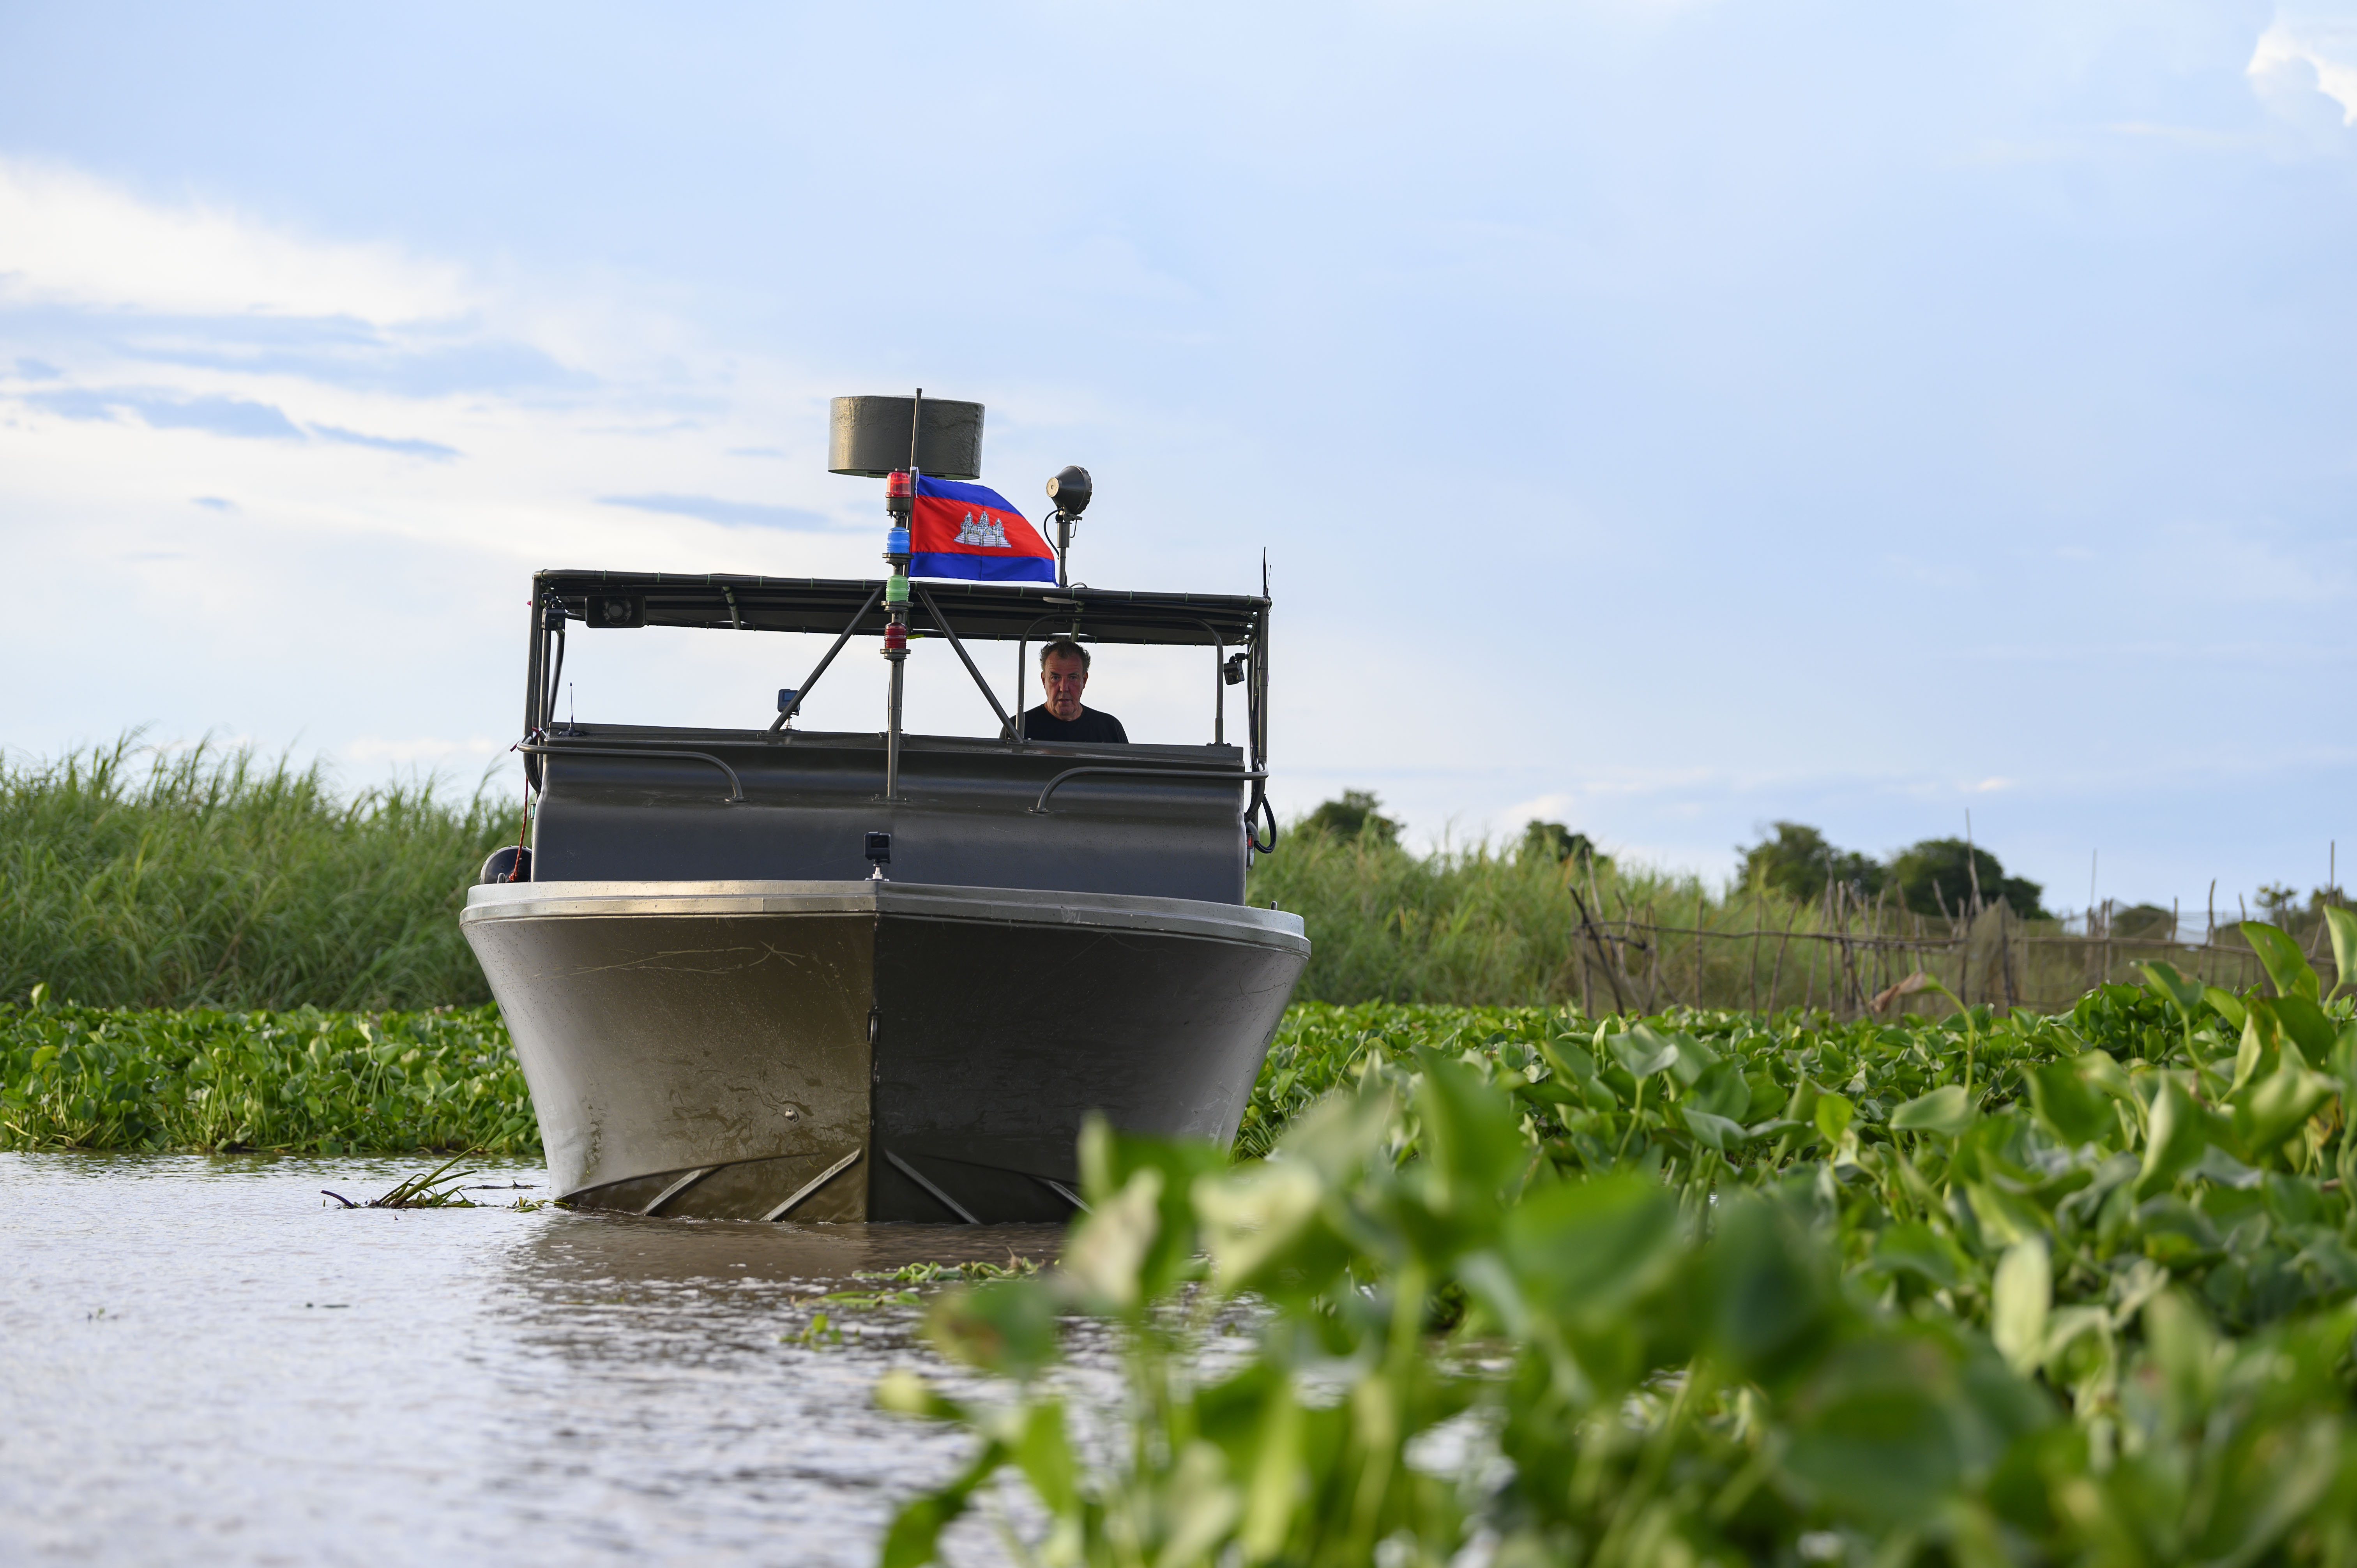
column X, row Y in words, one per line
column 135, row 878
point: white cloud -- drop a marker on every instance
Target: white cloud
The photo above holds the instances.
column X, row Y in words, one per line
column 1556, row 807
column 235, row 425
column 2308, row 50
column 68, row 238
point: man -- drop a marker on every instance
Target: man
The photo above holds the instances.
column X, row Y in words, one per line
column 1063, row 676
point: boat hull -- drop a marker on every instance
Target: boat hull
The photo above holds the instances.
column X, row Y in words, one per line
column 869, row 1050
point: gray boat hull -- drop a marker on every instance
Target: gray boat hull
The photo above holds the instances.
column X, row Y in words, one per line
column 869, row 1050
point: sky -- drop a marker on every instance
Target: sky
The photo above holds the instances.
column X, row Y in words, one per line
column 1662, row 416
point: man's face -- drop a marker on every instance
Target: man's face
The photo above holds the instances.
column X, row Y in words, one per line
column 1063, row 678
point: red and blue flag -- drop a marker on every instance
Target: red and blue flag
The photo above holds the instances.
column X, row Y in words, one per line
column 969, row 531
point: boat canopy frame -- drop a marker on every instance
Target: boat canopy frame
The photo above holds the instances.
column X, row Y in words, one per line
column 1234, row 626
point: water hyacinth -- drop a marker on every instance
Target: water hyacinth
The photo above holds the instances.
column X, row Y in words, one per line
column 1705, row 1287
column 305, row 1081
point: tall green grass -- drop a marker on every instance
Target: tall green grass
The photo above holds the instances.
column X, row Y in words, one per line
column 136, row 877
column 1473, row 927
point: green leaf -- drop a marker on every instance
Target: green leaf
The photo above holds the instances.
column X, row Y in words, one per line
column 2284, row 963
column 1721, row 1091
column 1110, row 1161
column 2020, row 1299
column 1832, row 1116
column 2266, row 1114
column 2005, row 1219
column 2164, row 978
column 2261, row 1039
column 1256, row 1215
column 1695, row 1058
column 1881, row 1441
column 1915, row 1248
column 2174, row 1138
column 2184, row 1347
column 1769, row 1299
column 2344, row 926
column 1106, row 1258
column 1473, row 1145
column 2065, row 1101
column 2098, row 1068
column 1044, row 1455
column 1008, row 1326
column 1642, row 1051
column 1720, row 1131
column 915, row 1534
column 2229, row 1007
column 1277, row 1479
column 2304, row 1022
column 1947, row 1111
column 1584, row 1251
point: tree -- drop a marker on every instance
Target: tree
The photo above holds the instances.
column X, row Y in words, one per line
column 1556, row 844
column 1935, row 876
column 2149, row 920
column 1798, row 861
column 1353, row 817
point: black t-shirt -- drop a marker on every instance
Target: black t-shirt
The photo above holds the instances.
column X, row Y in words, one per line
column 1040, row 725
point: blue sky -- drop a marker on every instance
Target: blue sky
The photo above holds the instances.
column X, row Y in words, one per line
column 1661, row 417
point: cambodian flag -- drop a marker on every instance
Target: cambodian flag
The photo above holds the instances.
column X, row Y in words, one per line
column 969, row 531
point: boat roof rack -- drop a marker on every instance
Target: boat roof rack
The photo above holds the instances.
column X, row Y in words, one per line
column 1002, row 612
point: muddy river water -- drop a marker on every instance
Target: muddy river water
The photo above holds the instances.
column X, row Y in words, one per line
column 204, row 1361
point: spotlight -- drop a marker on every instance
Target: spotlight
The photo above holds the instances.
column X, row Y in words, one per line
column 1069, row 490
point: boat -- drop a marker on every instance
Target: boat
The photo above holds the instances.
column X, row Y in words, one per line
column 775, row 973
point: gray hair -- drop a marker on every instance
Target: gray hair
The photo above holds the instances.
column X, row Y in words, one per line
column 1070, row 648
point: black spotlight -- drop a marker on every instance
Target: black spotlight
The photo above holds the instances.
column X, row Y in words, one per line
column 1069, row 490
column 880, row 854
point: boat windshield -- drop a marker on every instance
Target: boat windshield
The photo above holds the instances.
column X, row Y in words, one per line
column 1176, row 669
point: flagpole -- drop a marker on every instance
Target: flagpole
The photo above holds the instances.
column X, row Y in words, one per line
column 896, row 629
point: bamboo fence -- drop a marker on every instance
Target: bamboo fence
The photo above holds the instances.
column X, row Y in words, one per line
column 1854, row 957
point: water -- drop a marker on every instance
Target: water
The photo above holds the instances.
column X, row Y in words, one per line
column 200, row 1361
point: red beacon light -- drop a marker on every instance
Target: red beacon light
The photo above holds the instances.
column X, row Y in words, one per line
column 899, row 492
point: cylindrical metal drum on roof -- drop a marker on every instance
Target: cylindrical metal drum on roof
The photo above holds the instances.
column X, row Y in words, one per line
column 870, row 438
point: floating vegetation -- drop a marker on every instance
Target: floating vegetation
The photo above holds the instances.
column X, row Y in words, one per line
column 954, row 1274
column 1704, row 1287
column 438, row 1188
column 825, row 1329
column 820, row 1330
column 305, row 1082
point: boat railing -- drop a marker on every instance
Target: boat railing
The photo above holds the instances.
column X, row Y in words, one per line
column 735, row 796
column 1040, row 807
